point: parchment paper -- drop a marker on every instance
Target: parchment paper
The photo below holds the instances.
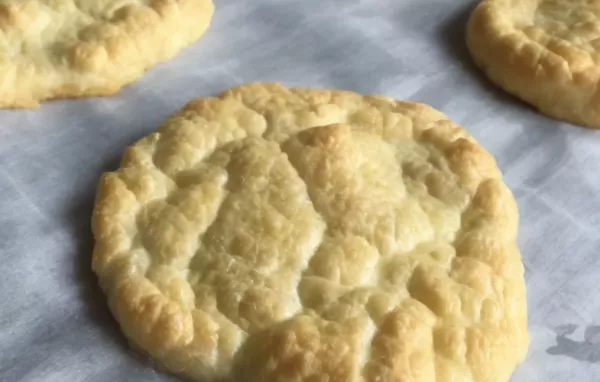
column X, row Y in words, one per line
column 54, row 324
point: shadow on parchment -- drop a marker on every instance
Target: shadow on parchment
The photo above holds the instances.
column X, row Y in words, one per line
column 587, row 350
column 452, row 35
column 95, row 300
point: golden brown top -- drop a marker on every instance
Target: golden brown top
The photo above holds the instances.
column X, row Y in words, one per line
column 276, row 234
column 71, row 48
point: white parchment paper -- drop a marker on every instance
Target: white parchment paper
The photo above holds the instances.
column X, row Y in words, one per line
column 54, row 324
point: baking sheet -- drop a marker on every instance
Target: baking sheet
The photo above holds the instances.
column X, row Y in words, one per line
column 54, row 324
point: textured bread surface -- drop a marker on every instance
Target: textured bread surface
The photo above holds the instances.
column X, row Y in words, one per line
column 275, row 234
column 77, row 48
column 546, row 52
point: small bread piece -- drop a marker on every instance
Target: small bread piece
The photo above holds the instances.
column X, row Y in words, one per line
column 275, row 234
column 78, row 48
column 546, row 52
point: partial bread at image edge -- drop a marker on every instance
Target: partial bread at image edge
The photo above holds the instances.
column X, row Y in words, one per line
column 109, row 54
column 564, row 89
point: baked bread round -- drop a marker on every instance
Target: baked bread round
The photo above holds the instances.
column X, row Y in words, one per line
column 546, row 52
column 275, row 234
column 77, row 48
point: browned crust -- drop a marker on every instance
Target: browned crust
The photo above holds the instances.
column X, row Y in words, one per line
column 557, row 78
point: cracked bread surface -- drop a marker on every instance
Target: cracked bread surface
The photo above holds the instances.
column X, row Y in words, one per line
column 546, row 52
column 278, row 234
column 76, row 48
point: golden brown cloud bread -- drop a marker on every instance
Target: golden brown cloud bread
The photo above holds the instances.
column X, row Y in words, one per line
column 77, row 48
column 275, row 234
column 546, row 52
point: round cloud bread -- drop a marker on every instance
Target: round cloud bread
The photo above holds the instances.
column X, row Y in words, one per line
column 77, row 48
column 276, row 234
column 546, row 52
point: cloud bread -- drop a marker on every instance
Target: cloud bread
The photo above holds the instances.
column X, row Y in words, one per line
column 546, row 52
column 77, row 48
column 275, row 234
